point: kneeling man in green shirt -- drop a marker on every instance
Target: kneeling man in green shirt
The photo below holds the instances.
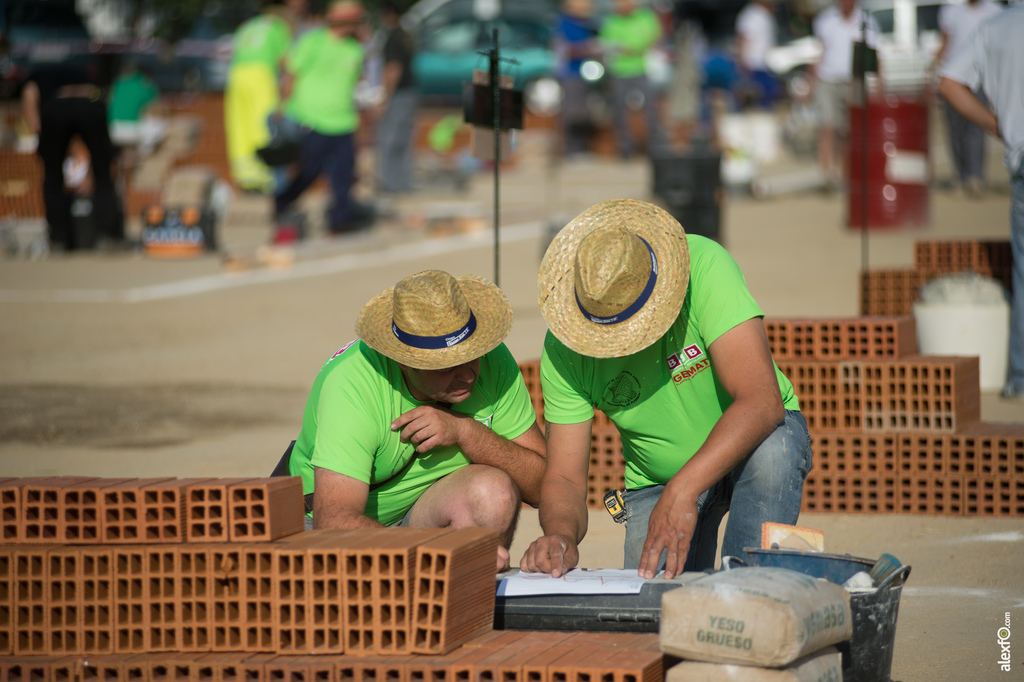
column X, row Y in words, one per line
column 657, row 329
column 425, row 419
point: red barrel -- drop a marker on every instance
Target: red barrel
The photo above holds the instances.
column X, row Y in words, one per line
column 895, row 150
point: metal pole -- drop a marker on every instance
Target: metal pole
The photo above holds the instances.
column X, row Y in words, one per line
column 862, row 69
column 496, row 94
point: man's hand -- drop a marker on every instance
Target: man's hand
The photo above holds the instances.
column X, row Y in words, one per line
column 670, row 527
column 428, row 427
column 502, row 559
column 554, row 554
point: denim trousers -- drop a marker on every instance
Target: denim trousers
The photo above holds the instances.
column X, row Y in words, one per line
column 1016, row 382
column 331, row 154
column 766, row 486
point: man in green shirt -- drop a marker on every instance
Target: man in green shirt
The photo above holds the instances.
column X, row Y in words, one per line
column 321, row 74
column 658, row 330
column 425, row 420
column 626, row 36
column 251, row 94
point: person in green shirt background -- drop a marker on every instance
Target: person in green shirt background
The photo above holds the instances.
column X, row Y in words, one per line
column 321, row 73
column 251, row 94
column 626, row 36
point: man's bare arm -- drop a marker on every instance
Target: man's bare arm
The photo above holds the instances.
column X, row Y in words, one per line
column 970, row 107
column 743, row 363
column 563, row 501
column 523, row 458
column 340, row 501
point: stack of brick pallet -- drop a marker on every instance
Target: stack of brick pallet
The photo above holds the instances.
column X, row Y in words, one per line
column 891, row 431
column 499, row 656
column 21, row 185
column 894, row 291
column 153, row 580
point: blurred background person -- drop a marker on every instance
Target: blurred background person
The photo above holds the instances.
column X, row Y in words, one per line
column 626, row 37
column 575, row 41
column 755, row 37
column 251, row 94
column 837, row 28
column 321, row 74
column 401, row 99
column 61, row 100
column 966, row 140
column 684, row 93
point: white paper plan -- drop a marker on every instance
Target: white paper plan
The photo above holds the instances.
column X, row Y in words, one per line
column 576, row 581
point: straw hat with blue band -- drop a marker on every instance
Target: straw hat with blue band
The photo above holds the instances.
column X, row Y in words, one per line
column 613, row 280
column 433, row 320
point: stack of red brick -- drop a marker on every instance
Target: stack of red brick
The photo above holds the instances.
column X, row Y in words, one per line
column 894, row 291
column 892, row 431
column 196, row 580
column 498, row 656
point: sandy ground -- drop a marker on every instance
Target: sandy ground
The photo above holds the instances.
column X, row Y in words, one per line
column 118, row 365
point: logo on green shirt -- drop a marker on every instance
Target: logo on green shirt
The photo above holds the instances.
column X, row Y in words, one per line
column 623, row 390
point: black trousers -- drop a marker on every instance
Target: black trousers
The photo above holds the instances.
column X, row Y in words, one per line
column 60, row 119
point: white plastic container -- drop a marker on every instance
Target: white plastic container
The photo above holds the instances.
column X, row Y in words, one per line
column 981, row 329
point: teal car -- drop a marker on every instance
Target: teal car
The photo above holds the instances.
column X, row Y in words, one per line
column 450, row 40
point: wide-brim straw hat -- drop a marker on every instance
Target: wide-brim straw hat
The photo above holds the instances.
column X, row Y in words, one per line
column 627, row 264
column 432, row 320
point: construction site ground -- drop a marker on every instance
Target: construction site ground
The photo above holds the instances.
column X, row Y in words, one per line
column 119, row 365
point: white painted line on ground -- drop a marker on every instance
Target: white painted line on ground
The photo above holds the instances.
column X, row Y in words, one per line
column 315, row 268
column 1011, row 536
column 1012, row 599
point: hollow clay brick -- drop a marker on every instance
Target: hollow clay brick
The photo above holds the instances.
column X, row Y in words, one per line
column 33, row 668
column 162, row 593
column 10, row 510
column 378, row 566
column 206, row 510
column 265, row 509
column 326, row 587
column 170, row 667
column 7, row 587
column 30, row 599
column 253, row 667
column 81, row 510
column 122, row 512
column 259, row 611
column 226, row 617
column 195, row 587
column 104, row 668
column 164, row 510
column 41, row 520
column 454, row 589
column 131, row 602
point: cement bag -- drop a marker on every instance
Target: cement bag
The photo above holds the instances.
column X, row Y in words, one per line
column 754, row 616
column 821, row 666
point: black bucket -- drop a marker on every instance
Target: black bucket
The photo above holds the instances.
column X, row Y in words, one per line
column 867, row 655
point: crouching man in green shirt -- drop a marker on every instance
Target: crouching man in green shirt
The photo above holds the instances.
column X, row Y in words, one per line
column 425, row 420
column 657, row 329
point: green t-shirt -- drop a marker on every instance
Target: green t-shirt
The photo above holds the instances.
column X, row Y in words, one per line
column 628, row 38
column 129, row 96
column 326, row 70
column 665, row 399
column 264, row 39
column 347, row 425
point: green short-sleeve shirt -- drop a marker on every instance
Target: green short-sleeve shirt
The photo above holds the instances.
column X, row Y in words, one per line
column 129, row 97
column 665, row 399
column 356, row 396
column 326, row 70
column 628, row 38
column 264, row 39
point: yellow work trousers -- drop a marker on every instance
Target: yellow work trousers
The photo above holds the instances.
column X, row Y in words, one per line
column 249, row 98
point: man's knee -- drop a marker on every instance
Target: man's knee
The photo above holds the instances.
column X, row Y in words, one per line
column 490, row 491
column 783, row 456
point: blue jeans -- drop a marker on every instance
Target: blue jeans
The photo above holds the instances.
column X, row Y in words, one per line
column 331, row 154
column 766, row 486
column 1016, row 382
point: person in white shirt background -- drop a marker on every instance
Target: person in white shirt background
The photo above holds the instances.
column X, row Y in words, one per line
column 838, row 27
column 966, row 141
column 755, row 36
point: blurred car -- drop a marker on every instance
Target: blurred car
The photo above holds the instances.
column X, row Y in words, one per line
column 38, row 32
column 199, row 60
column 452, row 34
column 907, row 43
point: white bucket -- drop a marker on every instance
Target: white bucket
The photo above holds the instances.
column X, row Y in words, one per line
column 967, row 329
